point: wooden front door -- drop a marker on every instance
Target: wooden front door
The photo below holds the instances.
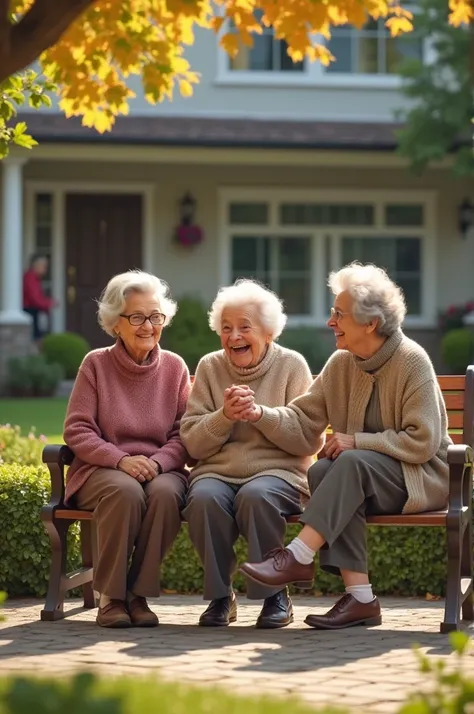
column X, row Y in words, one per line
column 103, row 238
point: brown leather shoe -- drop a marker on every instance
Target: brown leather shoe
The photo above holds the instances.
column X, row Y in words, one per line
column 280, row 568
column 347, row 612
column 114, row 614
column 140, row 613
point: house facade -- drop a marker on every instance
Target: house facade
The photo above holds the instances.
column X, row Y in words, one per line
column 293, row 172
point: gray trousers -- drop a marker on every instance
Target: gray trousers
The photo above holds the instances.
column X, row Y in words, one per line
column 217, row 512
column 132, row 518
column 357, row 483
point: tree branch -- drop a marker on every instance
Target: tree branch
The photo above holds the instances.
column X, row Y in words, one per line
column 40, row 28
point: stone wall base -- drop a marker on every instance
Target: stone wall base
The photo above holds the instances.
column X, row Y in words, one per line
column 15, row 341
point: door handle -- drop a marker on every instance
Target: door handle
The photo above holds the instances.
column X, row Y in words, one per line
column 71, row 271
column 71, row 294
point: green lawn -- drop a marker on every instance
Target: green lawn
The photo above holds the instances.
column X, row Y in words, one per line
column 46, row 415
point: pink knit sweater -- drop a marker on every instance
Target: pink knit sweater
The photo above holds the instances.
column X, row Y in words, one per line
column 118, row 408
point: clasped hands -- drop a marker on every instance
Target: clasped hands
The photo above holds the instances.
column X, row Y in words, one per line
column 239, row 404
column 140, row 468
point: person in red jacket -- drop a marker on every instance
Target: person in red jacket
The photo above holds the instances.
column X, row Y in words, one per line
column 34, row 299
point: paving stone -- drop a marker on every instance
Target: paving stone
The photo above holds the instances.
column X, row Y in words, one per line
column 370, row 670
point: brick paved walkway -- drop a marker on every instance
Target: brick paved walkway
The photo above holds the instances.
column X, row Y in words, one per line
column 366, row 669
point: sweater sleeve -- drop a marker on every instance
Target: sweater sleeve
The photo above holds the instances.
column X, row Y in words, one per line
column 173, row 454
column 420, row 436
column 81, row 431
column 33, row 293
column 204, row 429
column 298, row 428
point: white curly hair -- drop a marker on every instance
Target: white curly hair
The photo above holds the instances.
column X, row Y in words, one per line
column 246, row 292
column 375, row 295
column 114, row 297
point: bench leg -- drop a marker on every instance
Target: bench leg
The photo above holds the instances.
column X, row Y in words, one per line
column 466, row 571
column 54, row 605
column 453, row 587
column 87, row 552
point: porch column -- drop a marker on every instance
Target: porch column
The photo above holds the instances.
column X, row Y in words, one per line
column 11, row 312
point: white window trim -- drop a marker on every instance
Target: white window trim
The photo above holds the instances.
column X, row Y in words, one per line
column 59, row 190
column 274, row 196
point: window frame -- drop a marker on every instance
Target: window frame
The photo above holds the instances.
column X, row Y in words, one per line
column 319, row 234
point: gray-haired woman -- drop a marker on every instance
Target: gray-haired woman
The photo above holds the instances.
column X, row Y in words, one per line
column 243, row 482
column 388, row 452
column 122, row 423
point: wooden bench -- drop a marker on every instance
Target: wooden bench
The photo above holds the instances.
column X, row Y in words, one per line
column 458, row 392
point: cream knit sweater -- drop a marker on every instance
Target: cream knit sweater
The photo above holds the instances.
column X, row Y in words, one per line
column 412, row 409
column 237, row 452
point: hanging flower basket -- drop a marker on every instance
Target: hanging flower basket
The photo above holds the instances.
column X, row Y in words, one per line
column 188, row 235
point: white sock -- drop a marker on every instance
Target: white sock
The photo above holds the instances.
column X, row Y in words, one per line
column 362, row 593
column 303, row 554
column 104, row 600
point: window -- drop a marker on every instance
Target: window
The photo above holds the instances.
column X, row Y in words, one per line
column 44, row 232
column 283, row 264
column 371, row 50
column 266, row 55
column 400, row 256
column 290, row 243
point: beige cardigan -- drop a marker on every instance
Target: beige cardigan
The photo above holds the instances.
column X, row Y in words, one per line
column 412, row 408
column 237, row 452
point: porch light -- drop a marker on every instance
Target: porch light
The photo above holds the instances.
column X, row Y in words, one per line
column 466, row 216
column 187, row 207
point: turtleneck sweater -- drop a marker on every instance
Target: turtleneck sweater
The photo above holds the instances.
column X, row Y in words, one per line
column 120, row 408
column 412, row 410
column 236, row 451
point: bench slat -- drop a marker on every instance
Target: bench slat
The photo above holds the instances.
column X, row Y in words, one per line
column 454, row 401
column 453, row 382
column 455, row 420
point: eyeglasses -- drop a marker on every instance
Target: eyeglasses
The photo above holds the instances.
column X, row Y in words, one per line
column 338, row 314
column 137, row 319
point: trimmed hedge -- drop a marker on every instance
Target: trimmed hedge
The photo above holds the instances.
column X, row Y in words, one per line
column 404, row 561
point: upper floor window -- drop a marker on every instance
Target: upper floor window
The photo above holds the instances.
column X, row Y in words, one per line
column 267, row 55
column 371, row 50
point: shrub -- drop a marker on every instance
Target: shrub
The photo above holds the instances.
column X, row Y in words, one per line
column 87, row 693
column 404, row 561
column 189, row 335
column 24, row 546
column 457, row 349
column 18, row 449
column 32, row 376
column 306, row 341
column 66, row 349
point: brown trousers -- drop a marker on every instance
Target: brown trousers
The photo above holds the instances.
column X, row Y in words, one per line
column 130, row 517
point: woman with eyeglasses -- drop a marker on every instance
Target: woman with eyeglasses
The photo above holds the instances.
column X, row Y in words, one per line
column 122, row 424
column 387, row 453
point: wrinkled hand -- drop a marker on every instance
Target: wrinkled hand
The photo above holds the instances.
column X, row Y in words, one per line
column 338, row 443
column 139, row 467
column 253, row 413
column 237, row 399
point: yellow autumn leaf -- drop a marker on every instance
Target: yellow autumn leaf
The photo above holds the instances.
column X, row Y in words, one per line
column 185, row 88
column 230, row 43
column 397, row 25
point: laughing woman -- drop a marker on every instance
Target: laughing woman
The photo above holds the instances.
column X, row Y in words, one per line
column 243, row 483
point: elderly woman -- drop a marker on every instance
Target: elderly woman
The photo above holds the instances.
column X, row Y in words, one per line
column 244, row 482
column 388, row 451
column 122, row 423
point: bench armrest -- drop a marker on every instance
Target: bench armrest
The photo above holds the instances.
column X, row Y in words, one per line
column 460, row 462
column 56, row 457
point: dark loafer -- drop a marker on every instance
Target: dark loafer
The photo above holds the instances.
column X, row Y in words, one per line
column 140, row 613
column 347, row 612
column 220, row 612
column 114, row 614
column 280, row 568
column 277, row 611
